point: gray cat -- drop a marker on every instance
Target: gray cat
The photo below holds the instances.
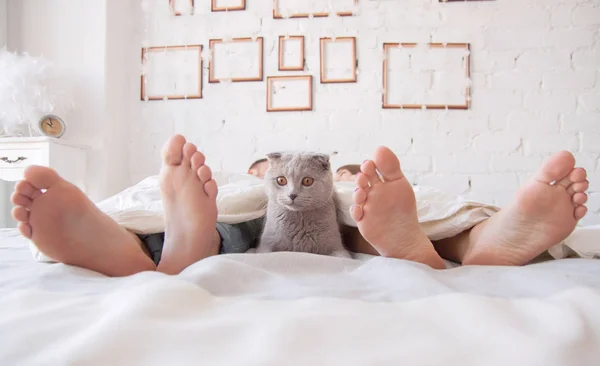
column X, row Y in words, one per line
column 302, row 209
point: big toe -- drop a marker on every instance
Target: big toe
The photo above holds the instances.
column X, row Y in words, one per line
column 556, row 167
column 41, row 177
column 173, row 150
column 387, row 163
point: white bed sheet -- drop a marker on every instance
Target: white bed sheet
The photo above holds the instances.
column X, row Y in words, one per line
column 299, row 309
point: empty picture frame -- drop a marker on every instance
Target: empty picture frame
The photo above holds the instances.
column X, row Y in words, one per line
column 338, row 60
column 172, row 72
column 240, row 59
column 443, row 68
column 316, row 8
column 289, row 93
column 291, row 53
column 177, row 6
column 228, row 5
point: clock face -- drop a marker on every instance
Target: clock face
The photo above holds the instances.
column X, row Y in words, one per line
column 52, row 126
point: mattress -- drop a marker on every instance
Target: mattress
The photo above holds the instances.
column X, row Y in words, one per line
column 300, row 309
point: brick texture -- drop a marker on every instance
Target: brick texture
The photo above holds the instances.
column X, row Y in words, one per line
column 535, row 69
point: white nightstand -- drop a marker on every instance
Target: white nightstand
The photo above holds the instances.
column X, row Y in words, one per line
column 17, row 153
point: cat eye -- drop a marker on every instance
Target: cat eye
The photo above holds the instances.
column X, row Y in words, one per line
column 282, row 181
column 307, row 181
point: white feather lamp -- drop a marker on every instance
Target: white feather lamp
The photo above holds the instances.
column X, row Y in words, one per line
column 29, row 89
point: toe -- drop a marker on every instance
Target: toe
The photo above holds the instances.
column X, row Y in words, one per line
column 387, row 163
column 360, row 196
column 197, row 160
column 24, row 229
column 20, row 214
column 204, row 173
column 555, row 168
column 21, row 200
column 576, row 175
column 362, row 180
column 356, row 212
column 580, row 212
column 26, row 189
column 172, row 150
column 578, row 187
column 188, row 150
column 579, row 199
column 369, row 170
column 41, row 177
column 210, row 188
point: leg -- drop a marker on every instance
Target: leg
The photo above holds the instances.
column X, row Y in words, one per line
column 65, row 225
column 545, row 211
column 454, row 248
column 386, row 212
column 189, row 199
column 354, row 241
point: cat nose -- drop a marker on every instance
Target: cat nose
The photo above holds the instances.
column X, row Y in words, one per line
column 293, row 196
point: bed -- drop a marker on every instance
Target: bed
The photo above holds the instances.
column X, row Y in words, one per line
column 300, row 309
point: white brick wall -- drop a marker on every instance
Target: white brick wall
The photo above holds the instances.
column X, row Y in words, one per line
column 535, row 78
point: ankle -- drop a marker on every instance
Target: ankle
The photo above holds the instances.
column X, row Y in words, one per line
column 431, row 258
column 215, row 247
column 423, row 252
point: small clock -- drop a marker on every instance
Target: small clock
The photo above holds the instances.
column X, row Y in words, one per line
column 52, row 126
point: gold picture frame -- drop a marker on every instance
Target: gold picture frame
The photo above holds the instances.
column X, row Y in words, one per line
column 172, row 7
column 145, row 51
column 215, row 7
column 277, row 14
column 272, row 79
column 213, row 42
column 300, row 66
column 323, row 61
column 467, row 66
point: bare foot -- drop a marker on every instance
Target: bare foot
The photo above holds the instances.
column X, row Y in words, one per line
column 189, row 199
column 386, row 212
column 66, row 226
column 545, row 211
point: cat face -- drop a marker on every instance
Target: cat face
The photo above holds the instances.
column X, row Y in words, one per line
column 299, row 181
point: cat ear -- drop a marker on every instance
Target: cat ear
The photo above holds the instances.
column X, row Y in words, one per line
column 323, row 160
column 274, row 156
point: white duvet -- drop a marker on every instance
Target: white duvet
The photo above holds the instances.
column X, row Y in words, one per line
column 301, row 309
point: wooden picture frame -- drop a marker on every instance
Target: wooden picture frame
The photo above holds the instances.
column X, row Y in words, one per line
column 272, row 79
column 172, row 7
column 215, row 6
column 197, row 95
column 278, row 15
column 352, row 78
column 211, row 65
column 301, row 62
column 467, row 67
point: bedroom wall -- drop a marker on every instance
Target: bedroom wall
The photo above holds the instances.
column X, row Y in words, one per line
column 535, row 80
column 87, row 41
column 535, row 76
column 3, row 23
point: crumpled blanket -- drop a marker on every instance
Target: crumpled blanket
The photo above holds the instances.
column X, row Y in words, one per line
column 242, row 198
